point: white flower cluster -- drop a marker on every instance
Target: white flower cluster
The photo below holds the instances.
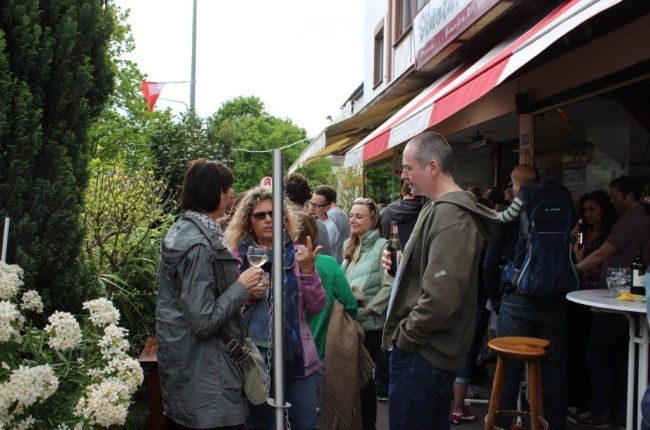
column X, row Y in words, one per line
column 11, row 279
column 97, row 372
column 102, row 312
column 31, row 301
column 26, row 386
column 113, row 343
column 9, row 316
column 106, row 403
column 64, row 331
column 127, row 370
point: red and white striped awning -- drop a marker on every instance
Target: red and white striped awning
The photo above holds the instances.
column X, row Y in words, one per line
column 474, row 79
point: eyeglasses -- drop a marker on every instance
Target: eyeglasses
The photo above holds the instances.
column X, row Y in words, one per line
column 262, row 215
column 363, row 200
column 316, row 205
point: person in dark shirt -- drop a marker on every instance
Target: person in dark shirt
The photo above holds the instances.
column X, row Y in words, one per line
column 405, row 211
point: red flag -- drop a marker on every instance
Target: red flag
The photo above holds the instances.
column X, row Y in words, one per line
column 151, row 91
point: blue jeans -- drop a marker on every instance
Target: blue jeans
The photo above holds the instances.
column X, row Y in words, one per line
column 545, row 319
column 419, row 393
column 301, row 393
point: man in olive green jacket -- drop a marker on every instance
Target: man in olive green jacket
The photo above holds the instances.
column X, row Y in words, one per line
column 431, row 313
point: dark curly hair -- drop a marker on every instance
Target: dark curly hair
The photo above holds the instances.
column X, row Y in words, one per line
column 607, row 209
column 297, row 189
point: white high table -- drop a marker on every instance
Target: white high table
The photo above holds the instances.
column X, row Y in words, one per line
column 638, row 335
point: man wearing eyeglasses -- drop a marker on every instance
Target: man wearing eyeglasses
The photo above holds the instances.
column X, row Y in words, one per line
column 319, row 204
column 298, row 191
column 432, row 308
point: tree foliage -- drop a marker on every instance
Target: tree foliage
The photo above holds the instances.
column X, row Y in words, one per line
column 382, row 184
column 319, row 172
column 56, row 75
column 349, row 183
column 242, row 129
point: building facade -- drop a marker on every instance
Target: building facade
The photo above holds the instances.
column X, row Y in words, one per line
column 561, row 85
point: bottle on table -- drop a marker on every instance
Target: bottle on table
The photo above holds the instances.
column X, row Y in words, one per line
column 394, row 247
column 638, row 273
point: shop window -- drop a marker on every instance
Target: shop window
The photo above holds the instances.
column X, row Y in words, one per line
column 589, row 143
column 379, row 54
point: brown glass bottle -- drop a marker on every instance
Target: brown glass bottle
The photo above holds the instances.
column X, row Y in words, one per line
column 394, row 247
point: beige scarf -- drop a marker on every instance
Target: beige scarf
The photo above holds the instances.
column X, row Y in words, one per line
column 348, row 367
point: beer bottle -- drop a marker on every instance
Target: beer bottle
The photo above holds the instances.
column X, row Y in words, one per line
column 581, row 234
column 394, row 247
column 638, row 273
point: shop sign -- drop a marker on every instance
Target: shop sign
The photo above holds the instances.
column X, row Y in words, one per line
column 440, row 22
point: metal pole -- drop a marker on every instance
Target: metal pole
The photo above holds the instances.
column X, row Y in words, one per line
column 278, row 289
column 5, row 240
column 193, row 72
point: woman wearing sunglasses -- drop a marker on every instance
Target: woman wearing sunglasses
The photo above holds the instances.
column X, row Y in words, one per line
column 252, row 225
column 362, row 266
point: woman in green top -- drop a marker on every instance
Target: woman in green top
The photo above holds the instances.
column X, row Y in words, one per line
column 362, row 266
column 336, row 287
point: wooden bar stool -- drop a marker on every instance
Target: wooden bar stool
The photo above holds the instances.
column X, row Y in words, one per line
column 527, row 349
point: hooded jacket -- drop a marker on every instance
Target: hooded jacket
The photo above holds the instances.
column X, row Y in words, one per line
column 198, row 294
column 405, row 212
column 433, row 306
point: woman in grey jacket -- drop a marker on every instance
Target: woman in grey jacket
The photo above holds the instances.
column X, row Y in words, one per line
column 369, row 281
column 200, row 293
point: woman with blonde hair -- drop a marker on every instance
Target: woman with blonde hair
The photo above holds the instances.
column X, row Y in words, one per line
column 252, row 225
column 370, row 282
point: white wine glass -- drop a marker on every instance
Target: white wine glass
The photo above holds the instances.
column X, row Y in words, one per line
column 257, row 256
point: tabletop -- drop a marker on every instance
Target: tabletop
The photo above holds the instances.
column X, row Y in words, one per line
column 597, row 299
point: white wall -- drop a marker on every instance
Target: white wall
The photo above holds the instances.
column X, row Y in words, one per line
column 375, row 12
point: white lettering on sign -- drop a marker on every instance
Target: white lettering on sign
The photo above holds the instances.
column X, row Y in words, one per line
column 440, row 22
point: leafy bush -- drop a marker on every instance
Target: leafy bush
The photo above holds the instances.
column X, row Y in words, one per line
column 125, row 220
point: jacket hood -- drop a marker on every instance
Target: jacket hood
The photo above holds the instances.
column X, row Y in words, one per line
column 404, row 210
column 486, row 219
column 184, row 234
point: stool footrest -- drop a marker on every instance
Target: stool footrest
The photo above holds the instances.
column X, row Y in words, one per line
column 521, row 414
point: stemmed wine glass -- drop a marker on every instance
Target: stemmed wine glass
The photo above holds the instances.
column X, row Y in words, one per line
column 257, row 256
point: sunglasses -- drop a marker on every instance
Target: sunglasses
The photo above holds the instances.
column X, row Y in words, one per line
column 262, row 215
column 363, row 200
column 316, row 205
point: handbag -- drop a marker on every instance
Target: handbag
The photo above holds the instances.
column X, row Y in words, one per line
column 251, row 366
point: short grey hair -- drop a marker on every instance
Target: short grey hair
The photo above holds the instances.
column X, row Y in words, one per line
column 432, row 146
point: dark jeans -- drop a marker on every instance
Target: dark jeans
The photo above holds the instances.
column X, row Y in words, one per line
column 578, row 329
column 372, row 342
column 419, row 396
column 645, row 411
column 382, row 377
column 171, row 425
column 464, row 375
column 541, row 318
column 607, row 355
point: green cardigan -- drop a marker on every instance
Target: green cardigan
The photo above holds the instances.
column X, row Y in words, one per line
column 336, row 287
column 368, row 275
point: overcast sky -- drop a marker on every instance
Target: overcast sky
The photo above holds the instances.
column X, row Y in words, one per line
column 303, row 58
